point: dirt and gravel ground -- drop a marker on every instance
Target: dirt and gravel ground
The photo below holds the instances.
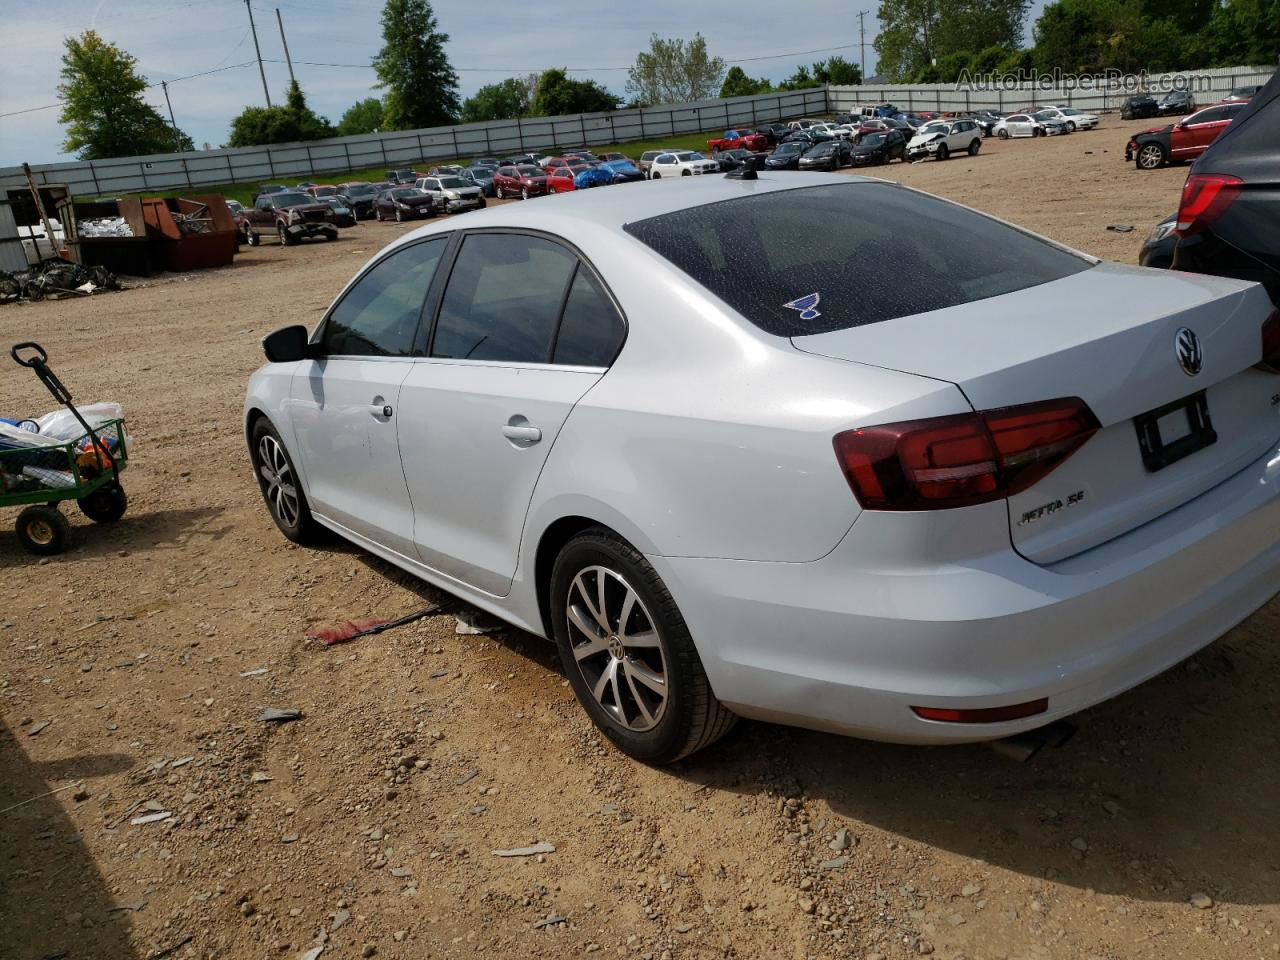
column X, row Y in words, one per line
column 132, row 670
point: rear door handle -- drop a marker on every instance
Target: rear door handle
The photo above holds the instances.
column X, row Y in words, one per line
column 379, row 408
column 525, row 434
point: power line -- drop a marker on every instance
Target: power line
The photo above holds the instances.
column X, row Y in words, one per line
column 149, row 86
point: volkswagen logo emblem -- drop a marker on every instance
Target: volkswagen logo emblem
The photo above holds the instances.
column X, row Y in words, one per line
column 1187, row 345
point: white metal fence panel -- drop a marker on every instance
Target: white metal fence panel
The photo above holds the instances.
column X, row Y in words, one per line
column 406, row 148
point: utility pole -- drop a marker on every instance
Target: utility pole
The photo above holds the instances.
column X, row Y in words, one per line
column 285, row 43
column 177, row 140
column 862, row 44
column 258, row 50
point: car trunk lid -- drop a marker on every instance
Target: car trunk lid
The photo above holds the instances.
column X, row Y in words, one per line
column 1108, row 335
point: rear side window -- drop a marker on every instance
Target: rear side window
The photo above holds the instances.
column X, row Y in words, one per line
column 379, row 314
column 811, row 260
column 503, row 299
column 591, row 330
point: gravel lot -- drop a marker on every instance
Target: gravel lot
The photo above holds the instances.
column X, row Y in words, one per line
column 367, row 827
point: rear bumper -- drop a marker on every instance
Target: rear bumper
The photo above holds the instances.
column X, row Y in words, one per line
column 851, row 642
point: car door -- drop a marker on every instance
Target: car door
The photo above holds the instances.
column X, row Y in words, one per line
column 345, row 402
column 1192, row 137
column 523, row 329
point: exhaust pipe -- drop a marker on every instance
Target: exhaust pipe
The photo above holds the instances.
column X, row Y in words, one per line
column 1022, row 747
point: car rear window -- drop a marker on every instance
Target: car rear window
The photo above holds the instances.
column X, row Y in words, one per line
column 815, row 259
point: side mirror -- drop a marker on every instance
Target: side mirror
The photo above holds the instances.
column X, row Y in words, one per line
column 286, row 344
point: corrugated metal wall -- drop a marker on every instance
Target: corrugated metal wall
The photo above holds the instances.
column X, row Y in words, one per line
column 12, row 257
column 292, row 162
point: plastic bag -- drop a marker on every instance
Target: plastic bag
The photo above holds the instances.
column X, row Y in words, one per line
column 63, row 425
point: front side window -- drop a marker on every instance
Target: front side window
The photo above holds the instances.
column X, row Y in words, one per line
column 379, row 315
column 503, row 299
column 847, row 244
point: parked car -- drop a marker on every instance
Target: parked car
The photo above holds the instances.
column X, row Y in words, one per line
column 611, row 157
column 623, row 171
column 1139, row 108
column 733, row 159
column 941, row 138
column 563, row 179
column 831, row 155
column 404, row 203
column 319, row 190
column 733, row 140
column 1072, row 118
column 1243, row 94
column 786, row 156
column 235, row 206
column 343, row 216
column 986, row 120
column 486, row 162
column 1176, row 103
column 359, row 195
column 681, row 163
column 668, row 462
column 305, row 187
column 524, row 160
column 1227, row 222
column 402, row 176
column 451, row 194
column 1018, row 125
column 523, row 181
column 1159, row 245
column 289, row 215
column 1051, row 123
column 1178, row 142
column 271, row 188
column 879, row 148
column 580, row 177
column 482, row 177
column 773, row 132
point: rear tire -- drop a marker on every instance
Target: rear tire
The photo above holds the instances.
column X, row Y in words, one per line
column 43, row 530
column 107, row 504
column 281, row 490
column 655, row 702
column 974, row 147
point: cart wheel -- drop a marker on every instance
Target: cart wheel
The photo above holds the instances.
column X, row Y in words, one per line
column 43, row 530
column 107, row 504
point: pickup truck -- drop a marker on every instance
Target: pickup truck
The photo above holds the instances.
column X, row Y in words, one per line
column 291, row 216
column 733, row 140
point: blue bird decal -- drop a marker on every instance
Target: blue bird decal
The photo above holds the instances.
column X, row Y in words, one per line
column 807, row 305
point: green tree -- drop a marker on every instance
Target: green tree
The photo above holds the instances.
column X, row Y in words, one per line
column 915, row 33
column 839, row 71
column 291, row 122
column 422, row 87
column 1089, row 36
column 103, row 109
column 558, row 94
column 363, row 116
column 988, row 60
column 1244, row 32
column 675, row 71
column 504, row 100
column 802, row 79
column 738, row 84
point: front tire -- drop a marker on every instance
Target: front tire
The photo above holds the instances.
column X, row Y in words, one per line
column 281, row 490
column 285, row 239
column 524, row 193
column 1003, row 134
column 43, row 530
column 943, row 153
column 1071, row 126
column 1150, row 157
column 628, row 654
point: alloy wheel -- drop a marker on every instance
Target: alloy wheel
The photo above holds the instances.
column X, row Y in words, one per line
column 1150, row 156
column 617, row 649
column 280, row 489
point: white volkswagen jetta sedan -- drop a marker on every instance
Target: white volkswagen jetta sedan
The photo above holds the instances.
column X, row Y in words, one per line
column 710, row 442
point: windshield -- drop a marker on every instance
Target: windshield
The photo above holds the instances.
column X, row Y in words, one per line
column 874, row 139
column 790, row 148
column 686, row 157
column 453, row 183
column 849, row 245
column 360, row 190
column 530, row 172
column 326, row 191
column 937, row 128
column 406, row 193
column 292, row 199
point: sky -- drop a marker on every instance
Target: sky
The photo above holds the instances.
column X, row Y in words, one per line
column 176, row 38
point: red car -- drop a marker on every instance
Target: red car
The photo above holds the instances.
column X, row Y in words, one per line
column 733, row 140
column 610, row 157
column 523, row 182
column 1181, row 141
column 561, row 178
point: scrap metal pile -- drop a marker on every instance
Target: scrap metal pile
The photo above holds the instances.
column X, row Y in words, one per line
column 52, row 279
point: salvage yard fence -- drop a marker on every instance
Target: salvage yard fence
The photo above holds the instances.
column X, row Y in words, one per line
column 409, row 148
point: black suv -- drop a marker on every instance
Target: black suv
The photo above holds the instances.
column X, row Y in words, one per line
column 1138, row 108
column 1228, row 222
column 1179, row 102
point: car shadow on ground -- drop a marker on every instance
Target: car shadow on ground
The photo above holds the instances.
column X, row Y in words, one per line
column 53, row 901
column 141, row 529
column 1167, row 790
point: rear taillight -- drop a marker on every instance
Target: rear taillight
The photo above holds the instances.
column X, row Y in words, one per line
column 962, row 460
column 1271, row 342
column 1205, row 197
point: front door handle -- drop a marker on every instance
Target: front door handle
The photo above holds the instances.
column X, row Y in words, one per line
column 379, row 408
column 522, row 433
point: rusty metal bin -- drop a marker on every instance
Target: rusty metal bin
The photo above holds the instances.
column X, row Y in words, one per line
column 192, row 233
column 135, row 256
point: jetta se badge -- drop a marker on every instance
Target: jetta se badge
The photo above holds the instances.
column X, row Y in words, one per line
column 1187, row 346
